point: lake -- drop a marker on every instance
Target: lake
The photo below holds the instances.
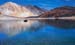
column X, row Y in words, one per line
column 37, row 32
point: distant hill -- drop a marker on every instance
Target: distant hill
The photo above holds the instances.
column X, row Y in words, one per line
column 60, row 12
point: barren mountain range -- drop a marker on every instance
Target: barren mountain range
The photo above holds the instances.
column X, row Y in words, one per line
column 16, row 10
column 64, row 11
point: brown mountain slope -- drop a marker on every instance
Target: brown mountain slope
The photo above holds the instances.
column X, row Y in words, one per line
column 60, row 12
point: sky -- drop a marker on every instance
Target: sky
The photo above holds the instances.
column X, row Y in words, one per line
column 47, row 4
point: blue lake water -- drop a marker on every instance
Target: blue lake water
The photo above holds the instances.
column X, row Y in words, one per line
column 37, row 32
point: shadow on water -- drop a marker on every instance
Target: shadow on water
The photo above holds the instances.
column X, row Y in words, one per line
column 66, row 24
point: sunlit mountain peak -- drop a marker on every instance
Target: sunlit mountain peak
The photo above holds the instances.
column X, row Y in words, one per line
column 17, row 10
column 11, row 3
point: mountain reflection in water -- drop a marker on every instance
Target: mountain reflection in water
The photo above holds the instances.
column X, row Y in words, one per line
column 39, row 32
column 66, row 24
column 15, row 27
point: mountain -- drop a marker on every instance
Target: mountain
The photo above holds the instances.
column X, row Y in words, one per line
column 16, row 10
column 60, row 12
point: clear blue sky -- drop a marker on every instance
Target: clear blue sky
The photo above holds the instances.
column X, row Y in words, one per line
column 48, row 4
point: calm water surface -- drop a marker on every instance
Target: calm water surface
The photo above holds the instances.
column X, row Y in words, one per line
column 37, row 32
